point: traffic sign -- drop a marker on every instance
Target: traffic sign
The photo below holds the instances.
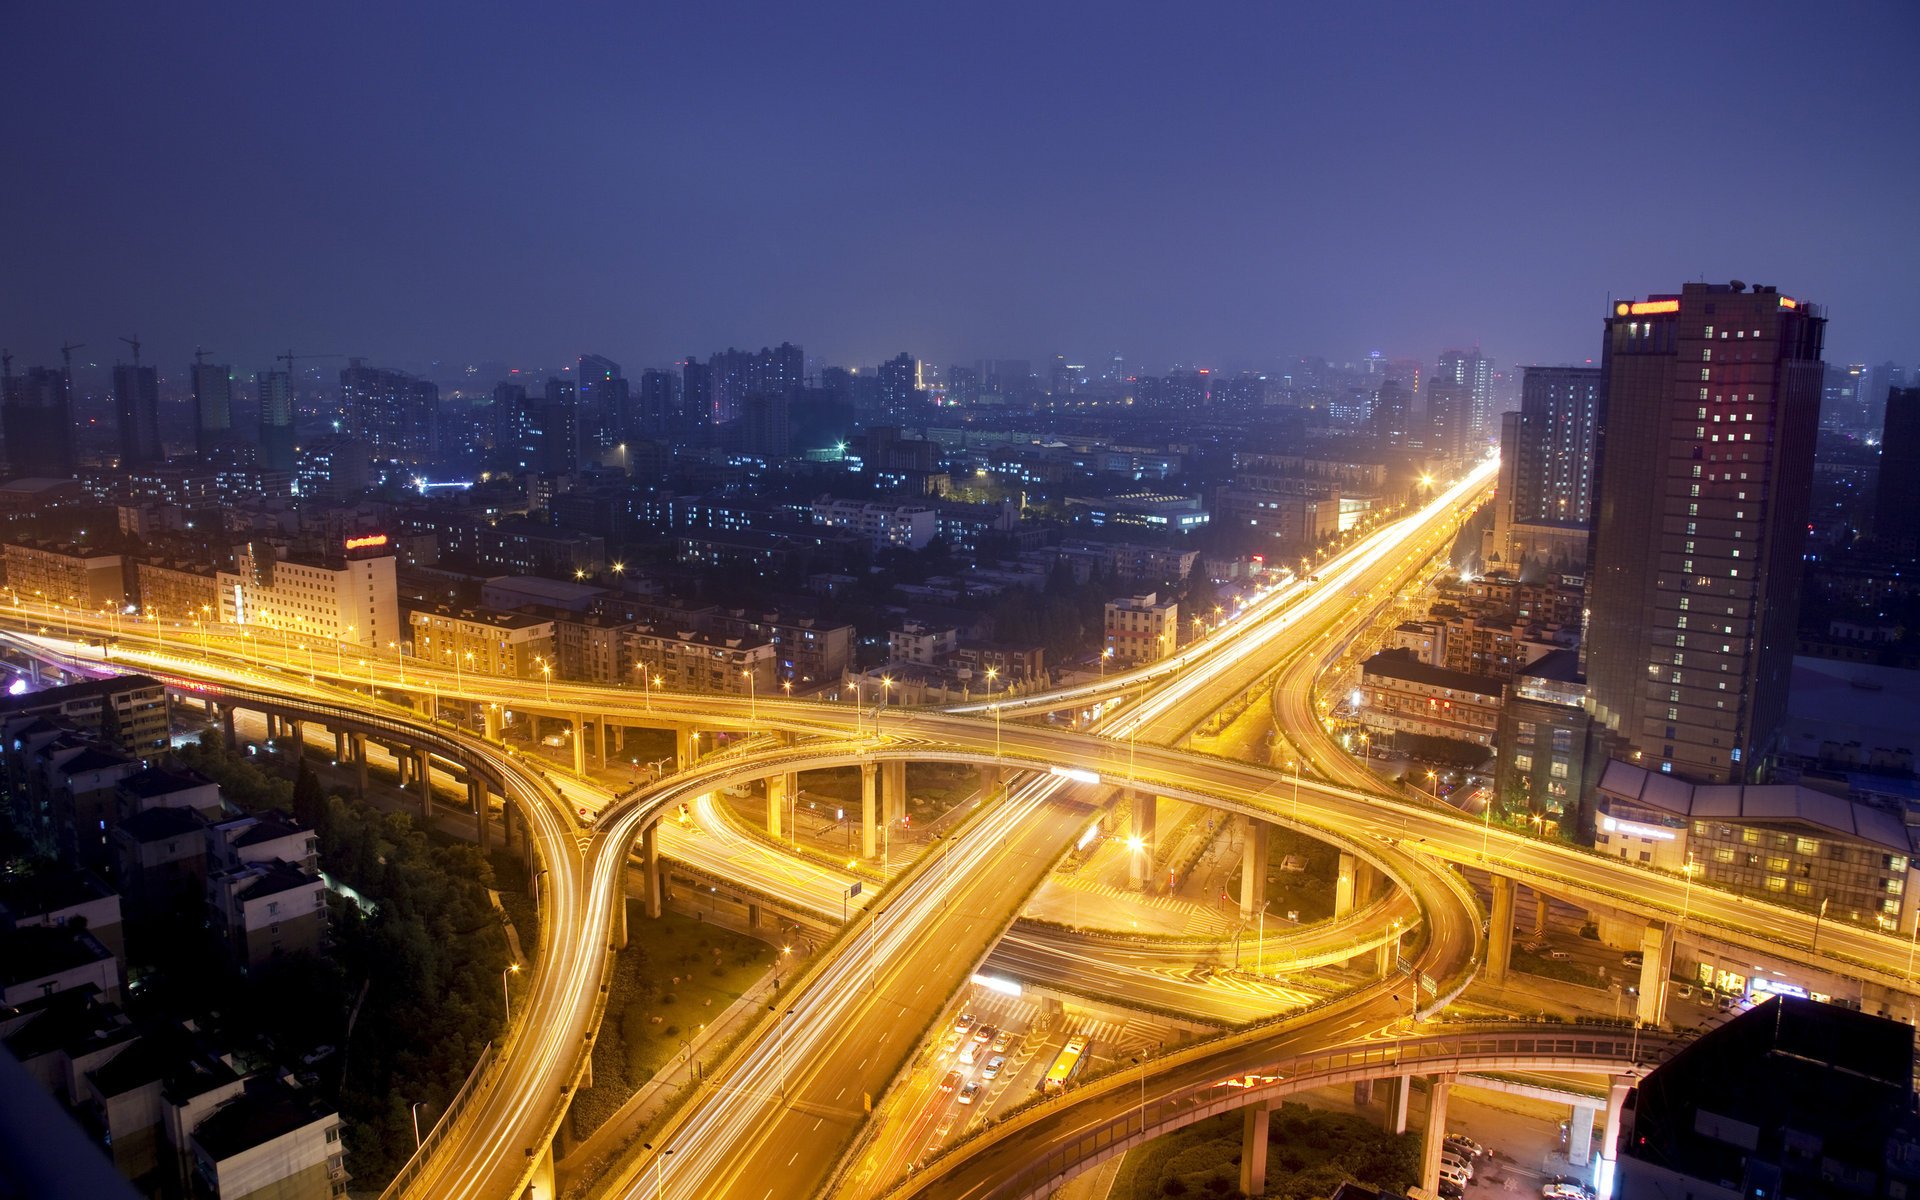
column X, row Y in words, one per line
column 1426, row 981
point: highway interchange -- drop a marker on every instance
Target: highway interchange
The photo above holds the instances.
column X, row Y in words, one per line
column 936, row 922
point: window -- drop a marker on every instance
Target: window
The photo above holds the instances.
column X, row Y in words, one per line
column 1724, row 854
column 1776, row 884
column 1806, row 845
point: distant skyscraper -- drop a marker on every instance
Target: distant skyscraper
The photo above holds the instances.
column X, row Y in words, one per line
column 1544, row 509
column 696, row 394
column 396, row 415
column 37, row 416
column 659, row 401
column 1473, row 371
column 212, row 405
column 900, row 385
column 1896, row 512
column 1874, row 385
column 1011, row 377
column 766, row 425
column 963, row 386
column 1389, row 415
column 556, row 429
column 136, row 402
column 1841, row 405
column 1448, row 423
column 1712, row 401
column 276, row 420
column 511, row 424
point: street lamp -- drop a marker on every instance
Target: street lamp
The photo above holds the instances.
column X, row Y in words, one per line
column 886, row 698
column 1294, row 767
column 753, row 701
column 414, row 1108
column 1686, row 904
column 659, row 1184
column 510, row 969
column 1813, row 947
column 1433, row 781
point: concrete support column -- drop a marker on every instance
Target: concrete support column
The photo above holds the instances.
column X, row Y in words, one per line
column 1366, row 880
column 1399, row 1100
column 989, row 782
column 1541, row 906
column 685, row 747
column 423, row 775
column 1617, row 1090
column 650, row 852
column 619, row 932
column 1656, row 950
column 358, row 743
column 777, row 792
column 579, row 744
column 600, row 740
column 869, row 843
column 227, row 727
column 477, row 796
column 339, row 746
column 1343, row 887
column 272, row 726
column 619, row 739
column 1143, row 810
column 1580, row 1135
column 893, row 791
column 490, row 716
column 1438, row 1089
column 296, row 738
column 1253, row 868
column 1253, row 1150
column 1500, row 930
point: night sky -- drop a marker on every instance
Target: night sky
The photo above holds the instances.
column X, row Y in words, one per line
column 1218, row 185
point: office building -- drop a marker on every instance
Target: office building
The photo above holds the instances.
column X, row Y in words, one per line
column 350, row 598
column 1791, row 1098
column 212, row 405
column 1896, row 502
column 277, row 451
column 1544, row 509
column 604, row 391
column 1705, row 447
column 136, row 404
column 1447, row 426
column 395, row 414
column 1473, row 372
column 36, row 415
column 482, row 641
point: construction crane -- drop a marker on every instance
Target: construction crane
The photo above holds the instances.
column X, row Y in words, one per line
column 200, row 356
column 135, row 343
column 66, row 353
column 289, row 357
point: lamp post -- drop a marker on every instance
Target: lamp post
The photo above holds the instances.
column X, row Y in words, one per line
column 1686, row 903
column 659, row 1182
column 1294, row 767
column 1813, row 947
column 1486, row 825
column 886, row 698
column 753, row 699
column 509, row 969
column 1433, row 782
column 414, row 1108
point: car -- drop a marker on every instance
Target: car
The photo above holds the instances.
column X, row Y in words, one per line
column 993, row 1067
column 963, row 1022
column 1451, row 1191
column 1559, row 955
column 985, row 1033
column 971, row 1092
column 1633, row 958
column 1456, row 1177
column 1685, row 992
column 1004, row 1041
column 951, row 1082
column 1457, row 1162
column 1727, row 1003
column 1571, row 1189
column 1466, row 1145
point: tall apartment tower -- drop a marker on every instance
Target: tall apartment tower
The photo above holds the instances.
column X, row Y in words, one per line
column 136, row 400
column 1896, row 509
column 1472, row 372
column 212, row 405
column 1705, row 458
column 276, row 420
column 396, row 414
column 36, row 415
column 1545, row 505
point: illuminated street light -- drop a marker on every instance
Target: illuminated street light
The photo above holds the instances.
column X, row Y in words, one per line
column 511, row 969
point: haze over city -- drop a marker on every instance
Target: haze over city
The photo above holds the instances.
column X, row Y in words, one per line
column 1223, row 186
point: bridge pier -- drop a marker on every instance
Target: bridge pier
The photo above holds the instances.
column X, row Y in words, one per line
column 227, row 727
column 780, row 789
column 1253, row 868
column 339, row 745
column 579, row 744
column 1580, row 1135
column 1345, row 885
column 477, row 796
column 1439, row 1087
column 893, row 790
column 1399, row 1100
column 1541, row 908
column 868, row 841
column 650, row 853
column 423, row 775
column 490, row 722
column 1617, row 1090
column 1144, row 811
column 600, row 740
column 1656, row 950
column 1253, row 1149
column 685, row 748
column 989, row 782
column 1500, row 930
column 357, row 743
column 619, row 936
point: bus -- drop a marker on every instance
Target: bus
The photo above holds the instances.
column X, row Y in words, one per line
column 1067, row 1067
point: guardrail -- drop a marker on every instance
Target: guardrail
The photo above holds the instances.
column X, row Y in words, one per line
column 442, row 1129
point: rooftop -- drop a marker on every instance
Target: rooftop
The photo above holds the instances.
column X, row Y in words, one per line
column 1401, row 664
column 86, row 689
column 159, row 824
column 267, row 1110
column 37, row 951
column 1757, row 803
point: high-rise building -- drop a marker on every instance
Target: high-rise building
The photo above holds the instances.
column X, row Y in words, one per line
column 212, row 405
column 276, row 420
column 36, row 415
column 963, row 386
column 136, row 402
column 1472, row 371
column 1840, row 397
column 1544, row 508
column 766, row 428
column 1705, row 464
column 511, row 423
column 696, row 394
column 1875, row 382
column 1896, row 510
column 1449, row 418
column 556, row 429
column 395, row 414
column 900, row 385
column 659, row 401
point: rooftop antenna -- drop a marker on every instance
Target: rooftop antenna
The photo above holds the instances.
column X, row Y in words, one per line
column 135, row 343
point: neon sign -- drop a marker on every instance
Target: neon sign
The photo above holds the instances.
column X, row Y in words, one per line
column 362, row 543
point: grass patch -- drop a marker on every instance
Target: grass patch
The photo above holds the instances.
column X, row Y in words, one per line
column 1310, row 1154
column 682, row 971
column 1308, row 892
column 1555, row 968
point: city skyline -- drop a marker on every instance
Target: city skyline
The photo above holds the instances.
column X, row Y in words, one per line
column 953, row 190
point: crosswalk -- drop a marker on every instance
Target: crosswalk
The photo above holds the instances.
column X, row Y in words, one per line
column 1116, row 901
